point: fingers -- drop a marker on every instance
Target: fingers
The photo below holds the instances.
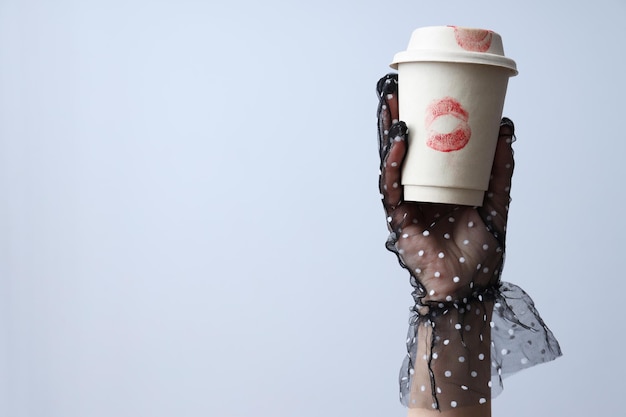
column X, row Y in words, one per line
column 496, row 204
column 391, row 140
column 391, row 166
column 387, row 88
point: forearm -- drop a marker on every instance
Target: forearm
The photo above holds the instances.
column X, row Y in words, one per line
column 450, row 367
column 483, row 410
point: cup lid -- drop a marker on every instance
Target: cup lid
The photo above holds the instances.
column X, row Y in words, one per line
column 455, row 44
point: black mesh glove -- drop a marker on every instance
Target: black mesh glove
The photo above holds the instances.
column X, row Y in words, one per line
column 467, row 328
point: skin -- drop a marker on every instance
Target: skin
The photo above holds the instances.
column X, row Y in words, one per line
column 441, row 240
column 469, row 411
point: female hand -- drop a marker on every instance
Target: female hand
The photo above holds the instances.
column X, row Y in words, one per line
column 453, row 252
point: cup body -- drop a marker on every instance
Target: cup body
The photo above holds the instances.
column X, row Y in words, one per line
column 451, row 99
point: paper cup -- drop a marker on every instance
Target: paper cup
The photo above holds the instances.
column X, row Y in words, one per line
column 452, row 82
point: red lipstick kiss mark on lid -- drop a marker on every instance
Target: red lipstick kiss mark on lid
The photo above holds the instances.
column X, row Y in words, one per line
column 475, row 40
column 458, row 137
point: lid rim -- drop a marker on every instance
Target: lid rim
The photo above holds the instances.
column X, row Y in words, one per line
column 425, row 55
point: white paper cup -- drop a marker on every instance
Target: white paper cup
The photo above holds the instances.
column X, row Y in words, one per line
column 452, row 82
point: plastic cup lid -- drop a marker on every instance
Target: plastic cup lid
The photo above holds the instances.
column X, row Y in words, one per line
column 455, row 44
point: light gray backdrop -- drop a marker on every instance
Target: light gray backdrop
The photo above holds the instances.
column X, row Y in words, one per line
column 189, row 216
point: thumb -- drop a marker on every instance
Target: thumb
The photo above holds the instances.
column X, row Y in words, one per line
column 498, row 196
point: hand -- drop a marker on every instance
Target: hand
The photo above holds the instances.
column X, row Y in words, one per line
column 453, row 252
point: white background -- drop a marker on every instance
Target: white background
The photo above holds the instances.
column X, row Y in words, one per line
column 189, row 216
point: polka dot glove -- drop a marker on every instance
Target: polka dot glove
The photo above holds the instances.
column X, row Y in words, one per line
column 468, row 329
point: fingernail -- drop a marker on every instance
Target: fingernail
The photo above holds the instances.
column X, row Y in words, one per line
column 508, row 123
column 387, row 85
column 398, row 131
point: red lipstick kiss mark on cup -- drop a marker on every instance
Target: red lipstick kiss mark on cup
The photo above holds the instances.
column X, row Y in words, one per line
column 475, row 40
column 455, row 139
